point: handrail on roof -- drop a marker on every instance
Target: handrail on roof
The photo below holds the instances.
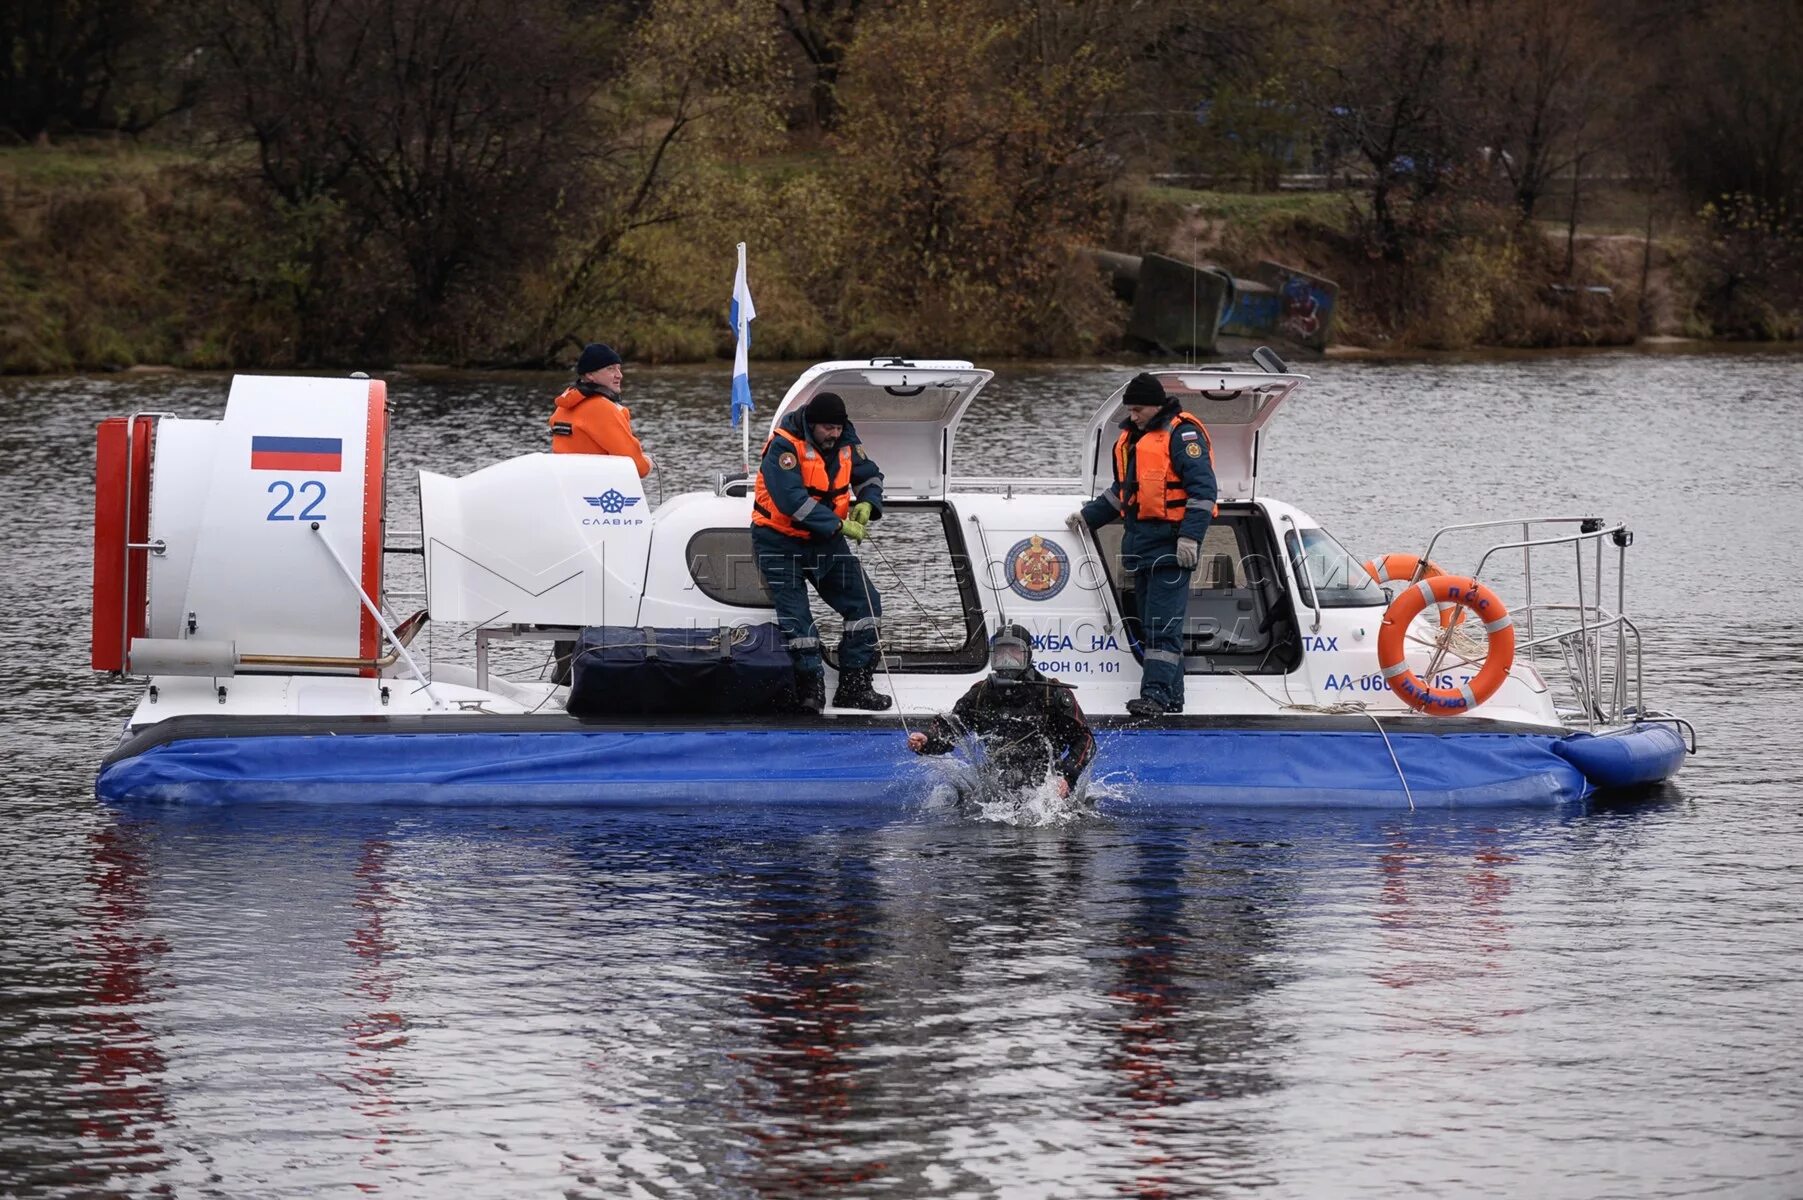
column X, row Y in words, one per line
column 1585, row 675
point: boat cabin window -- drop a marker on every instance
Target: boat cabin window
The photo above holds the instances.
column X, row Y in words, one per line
column 932, row 618
column 1338, row 579
column 1239, row 616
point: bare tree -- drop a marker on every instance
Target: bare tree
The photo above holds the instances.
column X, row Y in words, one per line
column 970, row 154
column 1547, row 65
column 87, row 66
column 822, row 29
column 444, row 132
column 1400, row 89
column 702, row 84
column 1729, row 95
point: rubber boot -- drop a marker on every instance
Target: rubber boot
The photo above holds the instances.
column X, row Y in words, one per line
column 855, row 692
column 1144, row 707
column 811, row 688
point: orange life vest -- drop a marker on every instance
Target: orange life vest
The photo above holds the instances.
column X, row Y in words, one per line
column 1155, row 493
column 594, row 423
column 831, row 487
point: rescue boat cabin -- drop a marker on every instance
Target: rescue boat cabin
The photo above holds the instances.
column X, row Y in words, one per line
column 954, row 557
column 257, row 542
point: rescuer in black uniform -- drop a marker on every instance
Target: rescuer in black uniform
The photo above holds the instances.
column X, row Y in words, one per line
column 1029, row 723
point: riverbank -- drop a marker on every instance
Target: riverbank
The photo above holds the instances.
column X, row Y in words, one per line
column 1488, row 280
column 114, row 256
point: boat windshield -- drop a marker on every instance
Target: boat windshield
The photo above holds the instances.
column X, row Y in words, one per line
column 1337, row 579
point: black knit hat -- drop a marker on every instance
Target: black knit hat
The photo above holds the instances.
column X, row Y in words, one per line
column 595, row 355
column 826, row 409
column 1144, row 388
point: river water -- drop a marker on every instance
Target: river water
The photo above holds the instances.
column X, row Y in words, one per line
column 269, row 1001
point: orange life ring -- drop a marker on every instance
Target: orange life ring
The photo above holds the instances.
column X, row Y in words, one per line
column 1401, row 568
column 1464, row 592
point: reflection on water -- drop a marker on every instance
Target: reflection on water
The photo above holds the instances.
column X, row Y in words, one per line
column 119, row 1079
column 924, row 1002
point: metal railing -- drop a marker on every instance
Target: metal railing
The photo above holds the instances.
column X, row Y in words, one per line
column 1581, row 631
column 155, row 546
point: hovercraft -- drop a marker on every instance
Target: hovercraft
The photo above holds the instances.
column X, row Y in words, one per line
column 244, row 569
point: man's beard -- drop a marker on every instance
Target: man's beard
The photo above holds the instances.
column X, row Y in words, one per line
column 825, row 443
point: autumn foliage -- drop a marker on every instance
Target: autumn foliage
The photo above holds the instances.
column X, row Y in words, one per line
column 299, row 182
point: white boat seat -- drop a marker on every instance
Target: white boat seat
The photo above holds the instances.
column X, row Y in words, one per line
column 1223, row 618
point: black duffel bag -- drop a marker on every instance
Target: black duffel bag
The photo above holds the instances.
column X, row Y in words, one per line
column 623, row 670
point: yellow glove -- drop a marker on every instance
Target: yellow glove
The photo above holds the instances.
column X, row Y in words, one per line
column 854, row 530
column 860, row 512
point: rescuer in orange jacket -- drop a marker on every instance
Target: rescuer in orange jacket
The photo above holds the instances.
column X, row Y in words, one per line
column 590, row 419
column 816, row 487
column 1164, row 491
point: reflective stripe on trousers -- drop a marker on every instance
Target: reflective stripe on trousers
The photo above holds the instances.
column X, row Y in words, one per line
column 1161, row 594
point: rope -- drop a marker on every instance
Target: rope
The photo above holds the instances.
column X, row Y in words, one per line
column 1393, row 762
column 888, row 675
column 1344, row 708
column 939, row 624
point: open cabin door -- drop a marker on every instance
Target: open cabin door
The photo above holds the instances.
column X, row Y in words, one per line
column 1234, row 405
column 906, row 415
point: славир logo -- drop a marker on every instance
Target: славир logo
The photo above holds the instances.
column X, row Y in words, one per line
column 612, row 501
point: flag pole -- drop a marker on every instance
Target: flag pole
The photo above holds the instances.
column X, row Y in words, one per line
column 743, row 312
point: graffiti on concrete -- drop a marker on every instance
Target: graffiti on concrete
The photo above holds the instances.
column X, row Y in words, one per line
column 1302, row 305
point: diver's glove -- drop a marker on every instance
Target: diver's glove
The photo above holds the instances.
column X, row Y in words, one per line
column 1189, row 552
column 854, row 530
column 860, row 512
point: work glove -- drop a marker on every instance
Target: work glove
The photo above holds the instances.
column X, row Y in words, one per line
column 1075, row 523
column 1189, row 551
column 860, row 512
column 854, row 530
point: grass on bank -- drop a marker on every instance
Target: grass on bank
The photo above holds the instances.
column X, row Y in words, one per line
column 1254, row 208
column 76, row 164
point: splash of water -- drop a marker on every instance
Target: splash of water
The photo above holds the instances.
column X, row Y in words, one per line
column 969, row 787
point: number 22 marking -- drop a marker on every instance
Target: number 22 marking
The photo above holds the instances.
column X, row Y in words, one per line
column 288, row 489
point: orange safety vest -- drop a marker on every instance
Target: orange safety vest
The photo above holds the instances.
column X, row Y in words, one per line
column 832, row 489
column 594, row 424
column 1155, row 493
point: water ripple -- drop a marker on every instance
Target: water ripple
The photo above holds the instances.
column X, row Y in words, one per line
column 1045, row 1002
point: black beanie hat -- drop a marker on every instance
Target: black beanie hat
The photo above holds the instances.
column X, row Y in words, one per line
column 595, row 356
column 826, row 409
column 1144, row 388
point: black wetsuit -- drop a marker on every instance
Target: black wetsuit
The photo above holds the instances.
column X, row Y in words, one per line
column 1043, row 731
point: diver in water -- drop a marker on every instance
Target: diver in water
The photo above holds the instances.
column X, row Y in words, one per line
column 1029, row 723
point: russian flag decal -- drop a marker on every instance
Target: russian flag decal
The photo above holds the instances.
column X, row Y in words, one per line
column 296, row 454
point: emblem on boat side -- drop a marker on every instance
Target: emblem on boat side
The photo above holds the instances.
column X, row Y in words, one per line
column 612, row 501
column 1037, row 569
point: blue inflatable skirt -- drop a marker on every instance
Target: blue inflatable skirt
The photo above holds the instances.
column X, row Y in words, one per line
column 855, row 762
